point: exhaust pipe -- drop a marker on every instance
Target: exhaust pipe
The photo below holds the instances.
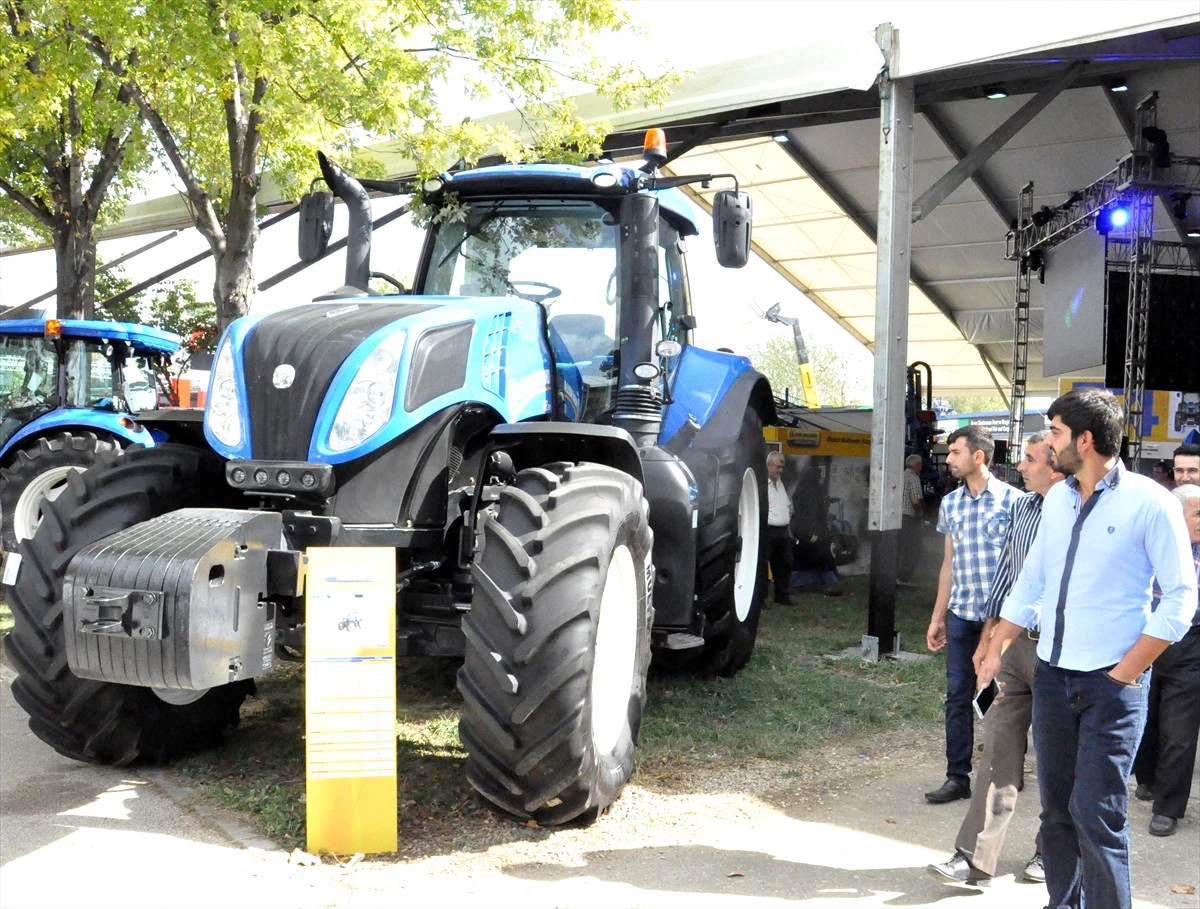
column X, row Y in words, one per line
column 358, row 238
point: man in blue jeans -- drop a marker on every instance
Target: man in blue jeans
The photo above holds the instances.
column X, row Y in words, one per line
column 974, row 519
column 1106, row 533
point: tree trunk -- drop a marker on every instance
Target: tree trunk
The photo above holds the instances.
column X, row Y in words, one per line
column 75, row 266
column 234, row 286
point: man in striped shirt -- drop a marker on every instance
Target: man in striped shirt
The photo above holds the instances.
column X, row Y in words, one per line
column 974, row 519
column 1006, row 726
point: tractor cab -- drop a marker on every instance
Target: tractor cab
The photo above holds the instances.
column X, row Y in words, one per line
column 49, row 365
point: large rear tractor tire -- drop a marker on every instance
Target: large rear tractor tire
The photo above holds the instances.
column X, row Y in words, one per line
column 37, row 475
column 731, row 564
column 98, row 721
column 558, row 643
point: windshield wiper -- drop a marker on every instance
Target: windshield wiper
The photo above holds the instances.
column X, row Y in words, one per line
column 472, row 231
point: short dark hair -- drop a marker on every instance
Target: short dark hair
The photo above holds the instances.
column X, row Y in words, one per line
column 978, row 439
column 1094, row 410
column 1187, row 448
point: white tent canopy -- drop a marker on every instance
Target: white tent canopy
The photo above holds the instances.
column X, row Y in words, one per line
column 799, row 128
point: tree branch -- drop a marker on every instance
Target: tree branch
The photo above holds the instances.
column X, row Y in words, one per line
column 34, row 206
column 203, row 213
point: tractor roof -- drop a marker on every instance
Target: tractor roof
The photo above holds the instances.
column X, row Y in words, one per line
column 142, row 338
column 558, row 180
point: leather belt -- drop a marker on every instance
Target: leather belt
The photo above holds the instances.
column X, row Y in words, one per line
column 1032, row 634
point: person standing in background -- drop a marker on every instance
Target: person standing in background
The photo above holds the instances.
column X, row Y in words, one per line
column 1167, row 755
column 1187, row 464
column 779, row 529
column 912, row 509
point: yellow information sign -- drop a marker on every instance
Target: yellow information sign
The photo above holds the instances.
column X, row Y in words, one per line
column 820, row 441
column 350, row 700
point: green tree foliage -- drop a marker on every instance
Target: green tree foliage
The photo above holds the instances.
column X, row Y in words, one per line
column 235, row 88
column 70, row 145
column 172, row 307
column 832, row 371
column 975, row 403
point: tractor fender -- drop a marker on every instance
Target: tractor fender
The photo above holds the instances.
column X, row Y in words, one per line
column 536, row 443
column 710, row 391
column 750, row 390
column 80, row 419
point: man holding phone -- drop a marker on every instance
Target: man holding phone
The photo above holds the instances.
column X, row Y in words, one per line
column 1006, row 725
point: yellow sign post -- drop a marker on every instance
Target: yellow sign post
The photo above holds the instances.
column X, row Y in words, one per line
column 350, row 700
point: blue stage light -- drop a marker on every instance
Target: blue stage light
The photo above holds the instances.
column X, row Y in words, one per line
column 1113, row 217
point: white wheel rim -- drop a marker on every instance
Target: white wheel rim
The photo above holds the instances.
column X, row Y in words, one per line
column 745, row 576
column 45, row 487
column 616, row 652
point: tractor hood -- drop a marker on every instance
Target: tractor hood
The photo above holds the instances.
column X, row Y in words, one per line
column 330, row 382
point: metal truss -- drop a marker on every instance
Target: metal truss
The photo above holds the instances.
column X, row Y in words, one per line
column 1134, row 183
column 1020, row 354
column 1166, row 257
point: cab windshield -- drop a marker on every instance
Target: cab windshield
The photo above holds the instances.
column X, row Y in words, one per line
column 564, row 255
column 29, row 379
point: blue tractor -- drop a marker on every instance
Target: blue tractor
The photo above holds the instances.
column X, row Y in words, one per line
column 69, row 390
column 567, row 482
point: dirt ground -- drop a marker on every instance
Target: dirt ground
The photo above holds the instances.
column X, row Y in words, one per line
column 845, row 825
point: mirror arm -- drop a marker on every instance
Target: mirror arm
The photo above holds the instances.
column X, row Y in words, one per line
column 657, row 182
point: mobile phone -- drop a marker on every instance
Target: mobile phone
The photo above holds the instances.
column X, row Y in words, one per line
column 979, row 711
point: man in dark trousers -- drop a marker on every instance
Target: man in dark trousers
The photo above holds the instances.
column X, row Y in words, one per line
column 779, row 531
column 1106, row 533
column 1167, row 755
column 1006, row 724
column 974, row 519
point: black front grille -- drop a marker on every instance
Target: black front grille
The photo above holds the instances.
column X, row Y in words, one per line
column 315, row 341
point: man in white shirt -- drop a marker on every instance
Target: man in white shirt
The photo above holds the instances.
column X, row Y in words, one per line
column 779, row 529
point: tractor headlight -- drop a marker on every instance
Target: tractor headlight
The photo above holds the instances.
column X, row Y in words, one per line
column 224, row 414
column 368, row 401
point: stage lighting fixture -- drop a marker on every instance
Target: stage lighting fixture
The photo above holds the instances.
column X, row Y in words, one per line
column 994, row 92
column 1072, row 200
column 1043, row 216
column 1037, row 263
column 781, row 138
column 1113, row 217
column 1118, row 84
column 1179, row 203
column 1160, row 148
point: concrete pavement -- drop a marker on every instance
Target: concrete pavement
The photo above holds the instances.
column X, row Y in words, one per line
column 78, row 835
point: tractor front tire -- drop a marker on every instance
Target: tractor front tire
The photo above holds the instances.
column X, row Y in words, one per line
column 558, row 643
column 85, row 719
column 38, row 474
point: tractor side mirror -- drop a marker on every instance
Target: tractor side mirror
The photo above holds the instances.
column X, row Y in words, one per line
column 316, row 225
column 731, row 228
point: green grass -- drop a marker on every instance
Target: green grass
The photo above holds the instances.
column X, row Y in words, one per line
column 791, row 698
column 6, row 617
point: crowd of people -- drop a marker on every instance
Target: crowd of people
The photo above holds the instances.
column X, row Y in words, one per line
column 1072, row 609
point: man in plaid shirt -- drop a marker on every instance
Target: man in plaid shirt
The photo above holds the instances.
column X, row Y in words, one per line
column 974, row 519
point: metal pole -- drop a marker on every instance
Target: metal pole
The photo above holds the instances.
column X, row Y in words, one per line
column 891, row 341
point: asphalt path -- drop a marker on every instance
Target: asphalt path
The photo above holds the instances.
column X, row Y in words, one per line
column 73, row 834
